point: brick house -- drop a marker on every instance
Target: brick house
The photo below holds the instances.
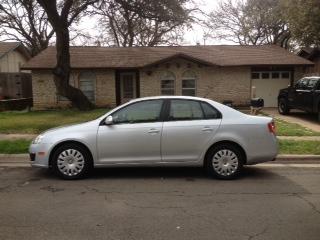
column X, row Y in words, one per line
column 109, row 76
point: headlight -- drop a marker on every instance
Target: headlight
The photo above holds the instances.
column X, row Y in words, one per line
column 38, row 139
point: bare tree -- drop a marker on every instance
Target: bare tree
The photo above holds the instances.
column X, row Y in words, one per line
column 61, row 15
column 25, row 21
column 251, row 22
column 130, row 23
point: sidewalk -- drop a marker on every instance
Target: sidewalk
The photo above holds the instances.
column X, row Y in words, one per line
column 17, row 136
column 300, row 138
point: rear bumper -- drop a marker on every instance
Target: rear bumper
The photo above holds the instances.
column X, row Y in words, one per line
column 264, row 152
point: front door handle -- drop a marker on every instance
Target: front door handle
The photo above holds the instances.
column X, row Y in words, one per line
column 207, row 129
column 153, row 130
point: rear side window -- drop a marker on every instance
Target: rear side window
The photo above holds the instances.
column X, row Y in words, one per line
column 209, row 111
column 185, row 110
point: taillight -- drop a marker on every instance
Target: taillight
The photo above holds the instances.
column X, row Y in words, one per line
column 272, row 127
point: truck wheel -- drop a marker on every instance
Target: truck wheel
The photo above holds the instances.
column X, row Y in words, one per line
column 283, row 107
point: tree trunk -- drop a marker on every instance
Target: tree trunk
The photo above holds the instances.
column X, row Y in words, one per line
column 62, row 71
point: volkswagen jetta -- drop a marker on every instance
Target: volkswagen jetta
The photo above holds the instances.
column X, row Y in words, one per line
column 159, row 131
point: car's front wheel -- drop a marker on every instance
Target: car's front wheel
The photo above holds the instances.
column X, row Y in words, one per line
column 283, row 107
column 71, row 161
column 224, row 161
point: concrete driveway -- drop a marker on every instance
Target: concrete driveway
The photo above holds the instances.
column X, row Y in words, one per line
column 304, row 119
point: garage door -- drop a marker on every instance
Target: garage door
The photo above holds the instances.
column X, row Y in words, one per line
column 268, row 85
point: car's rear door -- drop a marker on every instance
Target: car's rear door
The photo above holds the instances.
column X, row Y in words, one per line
column 135, row 135
column 189, row 127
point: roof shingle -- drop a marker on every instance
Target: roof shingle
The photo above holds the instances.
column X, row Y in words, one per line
column 137, row 57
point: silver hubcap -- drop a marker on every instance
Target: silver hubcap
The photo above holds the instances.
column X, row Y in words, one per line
column 70, row 162
column 225, row 162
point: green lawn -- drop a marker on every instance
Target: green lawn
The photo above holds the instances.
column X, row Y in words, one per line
column 39, row 121
column 286, row 146
column 292, row 129
column 14, row 146
column 299, row 147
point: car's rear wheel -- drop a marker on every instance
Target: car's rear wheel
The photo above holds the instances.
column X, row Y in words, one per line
column 71, row 161
column 224, row 161
column 283, row 107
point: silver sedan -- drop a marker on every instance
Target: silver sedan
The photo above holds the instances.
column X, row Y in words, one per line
column 159, row 131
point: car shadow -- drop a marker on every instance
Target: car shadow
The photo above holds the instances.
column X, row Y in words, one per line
column 187, row 173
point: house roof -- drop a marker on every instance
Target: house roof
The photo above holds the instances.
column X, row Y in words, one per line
column 6, row 47
column 138, row 57
column 309, row 52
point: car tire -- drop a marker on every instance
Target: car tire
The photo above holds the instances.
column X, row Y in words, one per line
column 224, row 161
column 71, row 161
column 283, row 107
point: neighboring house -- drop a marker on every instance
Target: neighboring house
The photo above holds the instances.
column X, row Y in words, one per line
column 313, row 55
column 14, row 83
column 111, row 76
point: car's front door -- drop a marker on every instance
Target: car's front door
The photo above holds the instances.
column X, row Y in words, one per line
column 188, row 129
column 301, row 92
column 134, row 136
column 310, row 94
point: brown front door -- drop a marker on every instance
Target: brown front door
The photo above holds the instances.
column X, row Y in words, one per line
column 127, row 86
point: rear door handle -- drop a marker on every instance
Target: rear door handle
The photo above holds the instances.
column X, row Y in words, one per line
column 207, row 129
column 153, row 130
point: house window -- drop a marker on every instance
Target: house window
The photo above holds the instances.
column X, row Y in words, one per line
column 255, row 75
column 189, row 83
column 275, row 75
column 167, row 83
column 265, row 75
column 285, row 75
column 87, row 82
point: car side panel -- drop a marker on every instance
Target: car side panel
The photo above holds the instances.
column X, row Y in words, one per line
column 184, row 141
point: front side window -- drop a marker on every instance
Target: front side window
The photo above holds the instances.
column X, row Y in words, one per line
column 185, row 110
column 312, row 83
column 189, row 83
column 302, row 83
column 167, row 83
column 146, row 111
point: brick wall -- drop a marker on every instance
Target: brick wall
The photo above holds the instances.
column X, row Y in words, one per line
column 217, row 83
column 45, row 93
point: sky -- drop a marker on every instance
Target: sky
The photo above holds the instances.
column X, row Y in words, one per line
column 191, row 37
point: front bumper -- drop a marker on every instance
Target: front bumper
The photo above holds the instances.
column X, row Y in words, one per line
column 39, row 155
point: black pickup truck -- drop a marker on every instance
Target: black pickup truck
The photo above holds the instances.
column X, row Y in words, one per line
column 304, row 95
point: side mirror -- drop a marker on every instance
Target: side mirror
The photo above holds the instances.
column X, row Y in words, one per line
column 108, row 120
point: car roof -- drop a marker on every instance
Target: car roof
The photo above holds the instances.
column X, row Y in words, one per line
column 318, row 77
column 170, row 97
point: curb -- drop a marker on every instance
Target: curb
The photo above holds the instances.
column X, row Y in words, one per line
column 12, row 159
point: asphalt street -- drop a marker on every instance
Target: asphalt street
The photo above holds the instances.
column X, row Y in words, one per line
column 272, row 201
